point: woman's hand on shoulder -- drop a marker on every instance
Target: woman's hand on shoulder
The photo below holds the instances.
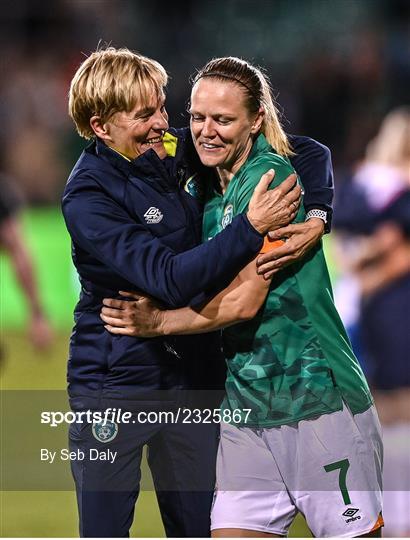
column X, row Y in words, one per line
column 272, row 208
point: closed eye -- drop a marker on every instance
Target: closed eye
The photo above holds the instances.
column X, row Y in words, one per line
column 224, row 121
column 143, row 115
column 197, row 117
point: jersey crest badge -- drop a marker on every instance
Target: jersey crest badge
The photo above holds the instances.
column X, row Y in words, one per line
column 105, row 431
column 153, row 215
column 227, row 217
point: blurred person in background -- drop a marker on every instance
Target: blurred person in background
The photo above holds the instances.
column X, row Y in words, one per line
column 384, row 274
column 382, row 175
column 13, row 243
column 373, row 217
column 129, row 208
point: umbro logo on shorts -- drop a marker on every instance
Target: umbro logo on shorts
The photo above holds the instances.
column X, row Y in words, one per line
column 153, row 215
column 351, row 514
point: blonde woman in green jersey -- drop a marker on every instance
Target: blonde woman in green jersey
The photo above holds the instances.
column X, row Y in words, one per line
column 299, row 430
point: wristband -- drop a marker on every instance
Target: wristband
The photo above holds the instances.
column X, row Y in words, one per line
column 321, row 214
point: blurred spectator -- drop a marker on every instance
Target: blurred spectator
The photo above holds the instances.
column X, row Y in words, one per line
column 385, row 328
column 374, row 214
column 354, row 69
column 382, row 176
column 33, row 110
column 12, row 241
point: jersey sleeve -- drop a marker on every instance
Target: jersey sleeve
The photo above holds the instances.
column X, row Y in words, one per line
column 102, row 228
column 282, row 170
column 252, row 176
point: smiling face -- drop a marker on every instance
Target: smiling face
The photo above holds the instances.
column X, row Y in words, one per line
column 133, row 133
column 222, row 128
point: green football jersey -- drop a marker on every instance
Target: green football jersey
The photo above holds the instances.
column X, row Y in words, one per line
column 293, row 361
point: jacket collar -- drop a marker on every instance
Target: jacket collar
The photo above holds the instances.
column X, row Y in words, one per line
column 147, row 167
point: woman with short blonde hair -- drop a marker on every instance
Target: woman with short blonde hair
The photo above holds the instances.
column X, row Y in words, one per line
column 112, row 80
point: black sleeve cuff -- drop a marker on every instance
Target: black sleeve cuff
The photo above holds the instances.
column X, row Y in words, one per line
column 329, row 212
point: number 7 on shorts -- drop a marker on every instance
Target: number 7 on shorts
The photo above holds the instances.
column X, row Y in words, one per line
column 343, row 465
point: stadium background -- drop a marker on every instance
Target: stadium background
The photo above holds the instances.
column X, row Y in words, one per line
column 338, row 67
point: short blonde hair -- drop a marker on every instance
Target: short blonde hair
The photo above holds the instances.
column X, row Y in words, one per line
column 112, row 80
column 258, row 94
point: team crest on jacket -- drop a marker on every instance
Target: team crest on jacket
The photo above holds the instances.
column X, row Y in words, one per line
column 227, row 217
column 105, row 431
column 153, row 215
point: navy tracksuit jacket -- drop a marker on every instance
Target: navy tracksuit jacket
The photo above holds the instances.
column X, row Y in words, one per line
column 133, row 226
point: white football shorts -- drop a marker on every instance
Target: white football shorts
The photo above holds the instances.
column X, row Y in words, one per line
column 328, row 468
